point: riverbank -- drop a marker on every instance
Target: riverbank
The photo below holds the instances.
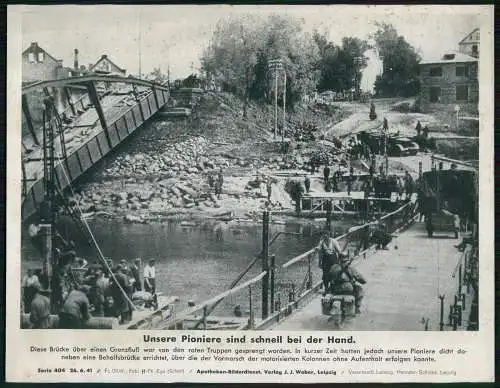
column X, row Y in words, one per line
column 163, row 172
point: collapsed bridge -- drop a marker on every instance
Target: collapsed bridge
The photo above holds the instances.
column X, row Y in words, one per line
column 99, row 112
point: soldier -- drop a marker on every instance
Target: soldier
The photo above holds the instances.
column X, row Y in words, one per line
column 326, row 173
column 120, row 290
column 346, row 280
column 30, row 283
column 40, row 309
column 75, row 311
column 328, row 252
column 269, row 188
column 380, row 237
column 307, row 183
column 426, row 132
column 418, row 128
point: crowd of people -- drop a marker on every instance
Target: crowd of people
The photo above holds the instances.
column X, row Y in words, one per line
column 79, row 291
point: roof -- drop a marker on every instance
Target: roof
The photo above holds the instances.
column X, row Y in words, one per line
column 469, row 34
column 450, row 57
column 41, row 48
column 103, row 57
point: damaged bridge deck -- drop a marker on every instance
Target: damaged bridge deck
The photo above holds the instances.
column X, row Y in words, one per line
column 99, row 125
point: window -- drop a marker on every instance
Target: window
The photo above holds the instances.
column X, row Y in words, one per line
column 40, row 57
column 462, row 92
column 31, row 57
column 474, row 50
column 436, row 71
column 462, row 71
column 434, row 94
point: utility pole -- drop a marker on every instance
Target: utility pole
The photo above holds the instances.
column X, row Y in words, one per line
column 275, row 103
column 265, row 264
column 140, row 44
column 386, row 157
column 275, row 65
column 284, row 109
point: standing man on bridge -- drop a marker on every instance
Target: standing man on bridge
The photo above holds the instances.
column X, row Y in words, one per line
column 329, row 252
column 409, row 185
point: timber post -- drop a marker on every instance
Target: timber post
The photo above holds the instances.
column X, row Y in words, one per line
column 272, row 270
column 29, row 119
column 265, row 264
column 94, row 99
column 441, row 313
column 70, row 102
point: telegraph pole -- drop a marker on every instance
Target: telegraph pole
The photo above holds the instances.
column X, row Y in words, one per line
column 140, row 44
column 284, row 109
column 275, row 103
column 275, row 65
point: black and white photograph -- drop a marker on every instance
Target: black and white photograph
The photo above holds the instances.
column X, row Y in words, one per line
column 276, row 168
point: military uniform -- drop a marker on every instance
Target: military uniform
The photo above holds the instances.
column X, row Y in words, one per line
column 346, row 280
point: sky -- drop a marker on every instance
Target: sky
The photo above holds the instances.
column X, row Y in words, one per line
column 176, row 35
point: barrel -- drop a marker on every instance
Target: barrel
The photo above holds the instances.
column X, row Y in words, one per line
column 94, row 323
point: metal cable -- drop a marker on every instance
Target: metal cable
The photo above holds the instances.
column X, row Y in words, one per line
column 101, row 256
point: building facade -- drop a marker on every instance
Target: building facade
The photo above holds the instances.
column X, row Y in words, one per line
column 106, row 66
column 470, row 44
column 449, row 81
column 39, row 65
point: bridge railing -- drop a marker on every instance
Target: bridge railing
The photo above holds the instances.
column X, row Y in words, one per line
column 302, row 273
column 288, row 282
column 96, row 146
column 199, row 314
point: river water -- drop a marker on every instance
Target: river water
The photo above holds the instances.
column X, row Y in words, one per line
column 197, row 261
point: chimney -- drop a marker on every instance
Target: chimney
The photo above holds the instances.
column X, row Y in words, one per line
column 75, row 64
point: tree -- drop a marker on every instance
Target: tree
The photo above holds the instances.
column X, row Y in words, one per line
column 400, row 63
column 232, row 54
column 240, row 50
column 157, row 76
column 340, row 66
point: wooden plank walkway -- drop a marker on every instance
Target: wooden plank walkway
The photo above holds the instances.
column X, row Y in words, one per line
column 146, row 318
column 402, row 287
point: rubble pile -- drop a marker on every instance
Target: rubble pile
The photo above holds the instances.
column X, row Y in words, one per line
column 168, row 169
column 186, row 156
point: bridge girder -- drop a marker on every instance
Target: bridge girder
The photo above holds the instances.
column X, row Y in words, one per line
column 82, row 81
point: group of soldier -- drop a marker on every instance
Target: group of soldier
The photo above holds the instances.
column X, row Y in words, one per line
column 79, row 291
column 215, row 182
column 339, row 277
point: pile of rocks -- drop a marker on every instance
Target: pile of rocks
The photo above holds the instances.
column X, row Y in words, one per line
column 186, row 156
